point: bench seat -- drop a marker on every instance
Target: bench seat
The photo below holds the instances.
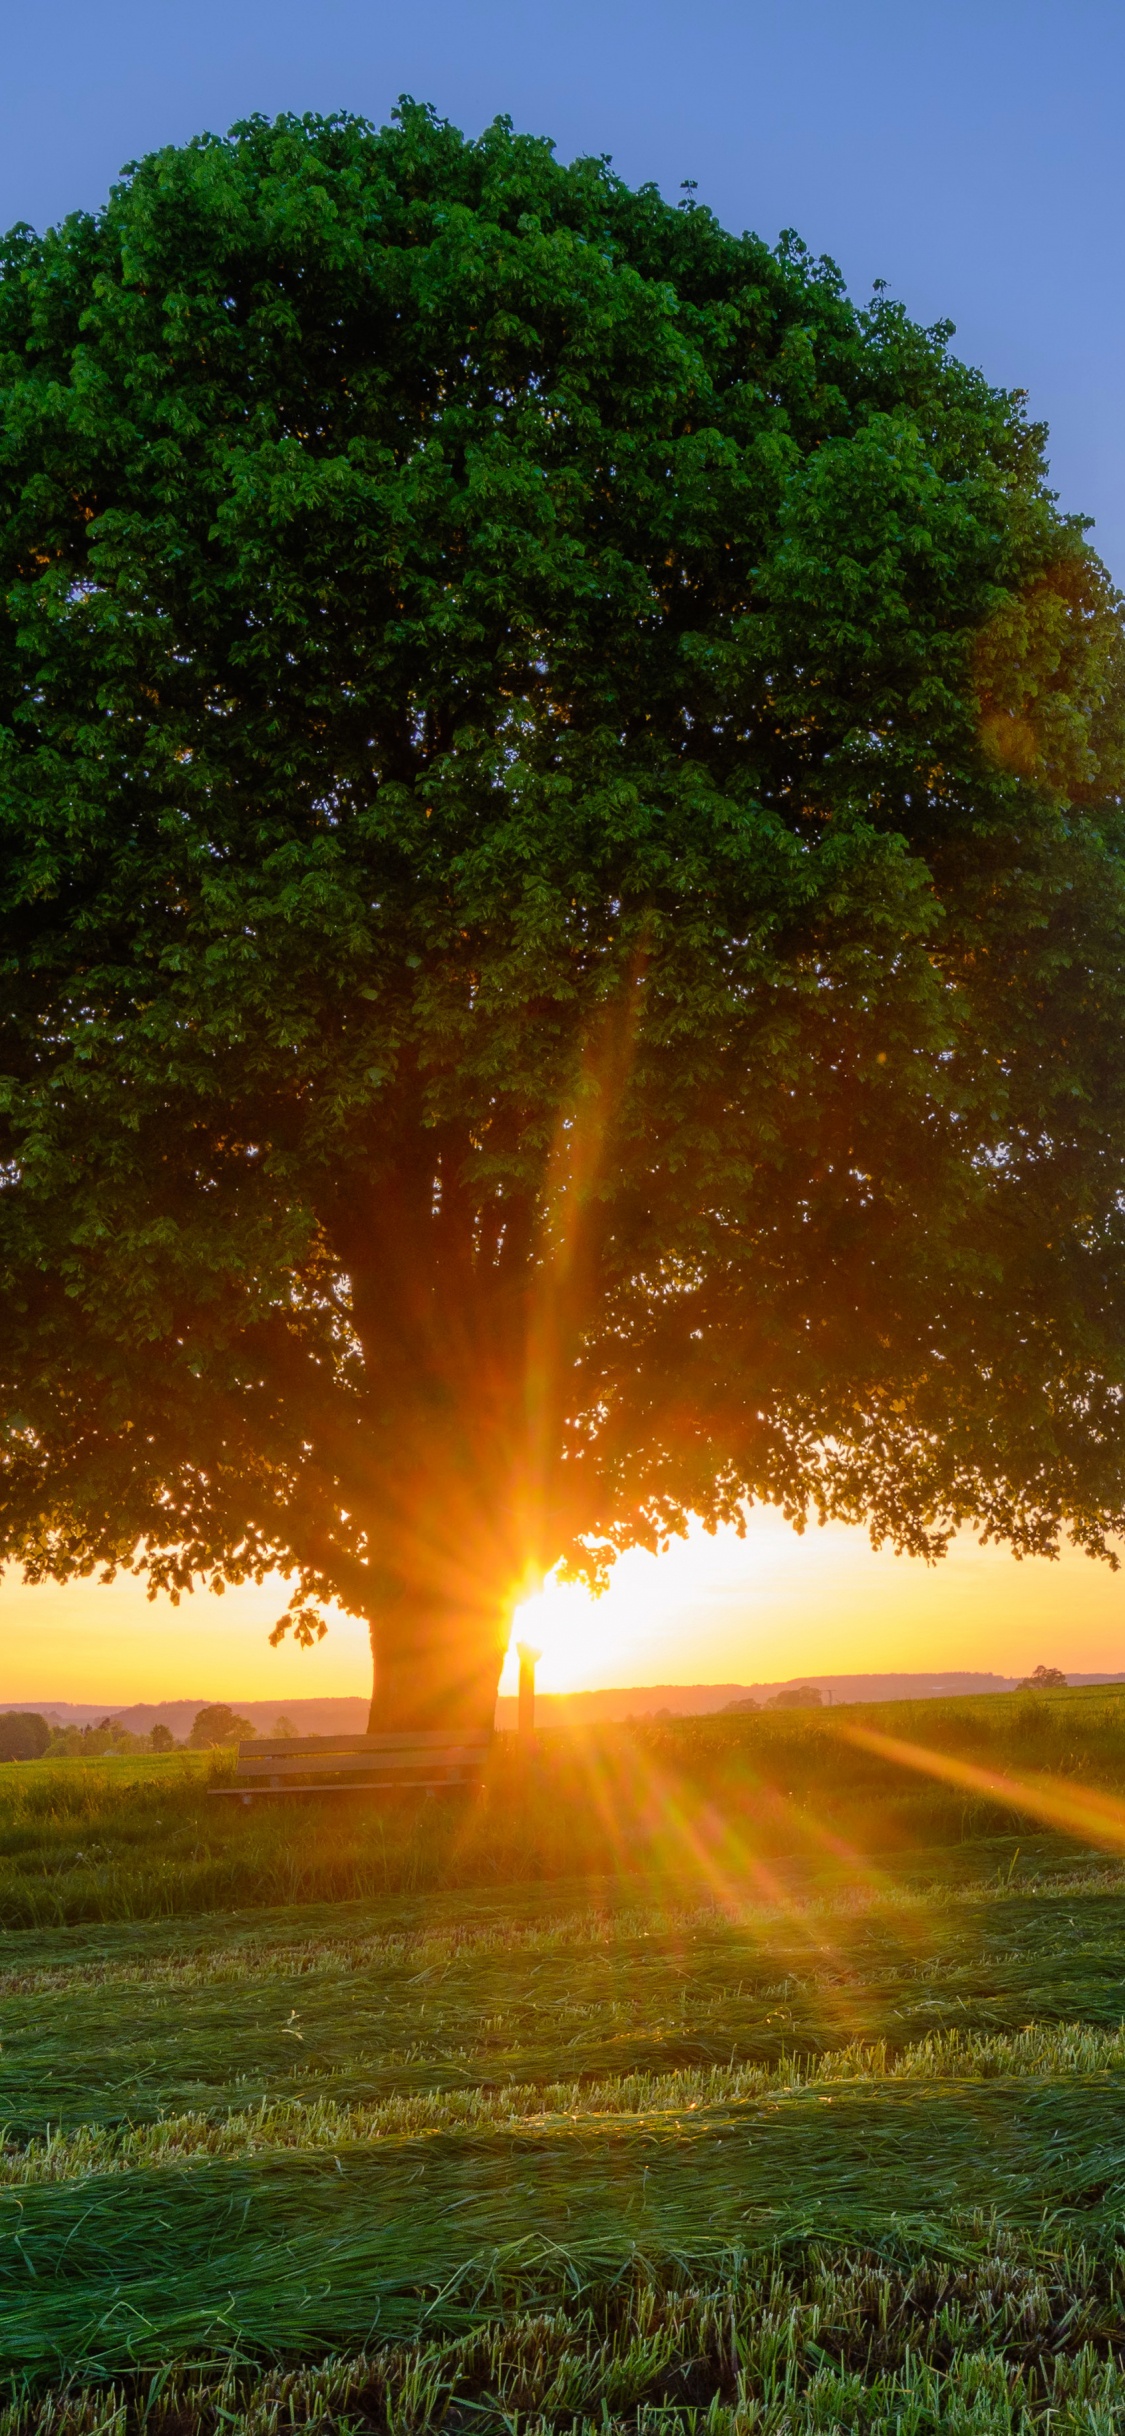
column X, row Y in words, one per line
column 425, row 1761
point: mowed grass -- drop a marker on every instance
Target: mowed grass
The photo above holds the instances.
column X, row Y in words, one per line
column 746, row 2124
column 991, row 2333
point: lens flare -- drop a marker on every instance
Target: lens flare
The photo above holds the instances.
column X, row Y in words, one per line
column 1077, row 1809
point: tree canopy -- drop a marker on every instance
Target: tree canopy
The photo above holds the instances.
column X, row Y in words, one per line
column 561, row 916
column 24, row 1734
column 213, row 1726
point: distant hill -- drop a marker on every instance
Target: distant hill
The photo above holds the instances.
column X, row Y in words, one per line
column 348, row 1715
column 704, row 1699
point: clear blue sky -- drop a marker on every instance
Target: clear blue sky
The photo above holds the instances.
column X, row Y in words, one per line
column 967, row 151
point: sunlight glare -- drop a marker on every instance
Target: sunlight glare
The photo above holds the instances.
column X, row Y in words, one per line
column 567, row 1625
column 633, row 1633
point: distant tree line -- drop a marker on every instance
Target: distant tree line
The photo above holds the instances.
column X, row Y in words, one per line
column 25, row 1734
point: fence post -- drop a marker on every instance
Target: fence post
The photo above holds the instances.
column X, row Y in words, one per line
column 527, row 1658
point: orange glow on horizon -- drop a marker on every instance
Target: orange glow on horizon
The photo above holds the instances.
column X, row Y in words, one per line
column 711, row 1610
column 775, row 1605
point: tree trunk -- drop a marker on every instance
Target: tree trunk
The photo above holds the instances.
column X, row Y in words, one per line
column 436, row 1665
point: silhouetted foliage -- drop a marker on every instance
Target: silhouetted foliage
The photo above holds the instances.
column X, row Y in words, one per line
column 218, row 1724
column 23, row 1734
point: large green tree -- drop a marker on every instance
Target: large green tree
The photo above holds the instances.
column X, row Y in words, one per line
column 561, row 923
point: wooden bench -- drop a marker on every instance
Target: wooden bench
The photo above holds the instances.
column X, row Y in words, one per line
column 422, row 1762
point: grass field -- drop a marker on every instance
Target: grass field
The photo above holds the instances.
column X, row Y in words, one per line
column 769, row 2112
column 717, row 1799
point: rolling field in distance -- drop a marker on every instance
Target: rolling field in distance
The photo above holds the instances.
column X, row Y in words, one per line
column 738, row 2122
column 712, row 1797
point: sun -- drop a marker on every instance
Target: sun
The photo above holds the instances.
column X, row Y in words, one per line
column 634, row 1633
column 569, row 1628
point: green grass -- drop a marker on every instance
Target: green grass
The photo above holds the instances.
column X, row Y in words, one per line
column 987, row 2332
column 313, row 2251
column 139, row 2024
column 642, row 2096
column 657, row 2104
column 135, row 1839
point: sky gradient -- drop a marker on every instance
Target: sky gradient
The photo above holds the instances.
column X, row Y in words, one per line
column 710, row 1611
column 970, row 155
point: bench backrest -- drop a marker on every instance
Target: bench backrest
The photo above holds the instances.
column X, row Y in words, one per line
column 424, row 1739
column 426, row 1756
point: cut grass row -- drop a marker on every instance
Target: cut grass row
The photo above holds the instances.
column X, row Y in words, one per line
column 303, row 1942
column 523, row 1923
column 988, row 2334
column 576, row 1999
column 298, row 2257
column 1049, row 2053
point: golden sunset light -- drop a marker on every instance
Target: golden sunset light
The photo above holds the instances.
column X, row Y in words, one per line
column 710, row 1609
column 773, row 1605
